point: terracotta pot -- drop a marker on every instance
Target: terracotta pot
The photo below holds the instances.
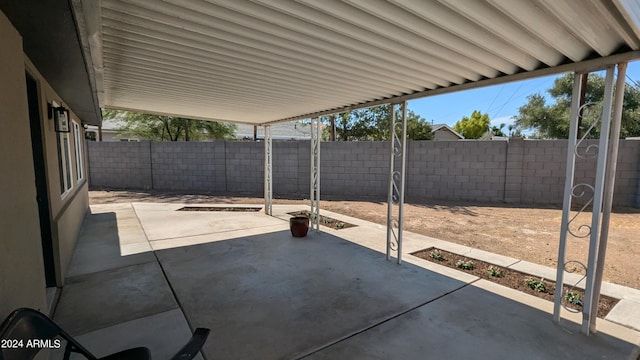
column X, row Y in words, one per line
column 299, row 226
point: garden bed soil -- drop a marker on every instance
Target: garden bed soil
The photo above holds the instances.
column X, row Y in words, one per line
column 325, row 220
column 511, row 278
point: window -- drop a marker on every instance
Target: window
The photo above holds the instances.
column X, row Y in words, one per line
column 64, row 161
column 77, row 137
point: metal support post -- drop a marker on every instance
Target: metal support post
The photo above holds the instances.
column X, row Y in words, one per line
column 589, row 311
column 576, row 112
column 609, row 183
column 397, row 171
column 571, row 223
column 268, row 171
column 314, row 214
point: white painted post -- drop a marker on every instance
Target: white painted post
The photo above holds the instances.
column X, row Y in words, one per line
column 268, row 171
column 396, row 183
column 403, row 171
column 390, row 198
column 589, row 311
column 568, row 191
column 610, row 177
column 314, row 196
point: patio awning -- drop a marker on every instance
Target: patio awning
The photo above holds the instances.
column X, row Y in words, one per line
column 262, row 61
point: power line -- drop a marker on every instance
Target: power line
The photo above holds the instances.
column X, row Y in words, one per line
column 635, row 83
column 495, row 98
column 510, row 97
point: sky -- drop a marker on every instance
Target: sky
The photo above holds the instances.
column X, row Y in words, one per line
column 501, row 102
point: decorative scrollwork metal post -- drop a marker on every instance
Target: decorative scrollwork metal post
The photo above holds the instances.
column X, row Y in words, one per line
column 268, row 171
column 592, row 195
column 397, row 171
column 314, row 214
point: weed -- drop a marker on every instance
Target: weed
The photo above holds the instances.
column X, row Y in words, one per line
column 465, row 265
column 495, row 271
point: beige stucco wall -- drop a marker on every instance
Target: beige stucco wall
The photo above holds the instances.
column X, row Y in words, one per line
column 22, row 280
column 67, row 228
column 68, row 211
column 21, row 267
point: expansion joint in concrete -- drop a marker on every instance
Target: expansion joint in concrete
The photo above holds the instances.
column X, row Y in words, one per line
column 381, row 322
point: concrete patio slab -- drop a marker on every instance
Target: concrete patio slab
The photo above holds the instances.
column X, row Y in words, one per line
column 472, row 323
column 267, row 295
column 162, row 221
column 111, row 238
column 273, row 296
column 221, row 236
column 170, row 326
column 98, row 300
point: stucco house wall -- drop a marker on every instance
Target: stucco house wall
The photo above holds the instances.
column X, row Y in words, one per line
column 22, row 277
column 21, row 268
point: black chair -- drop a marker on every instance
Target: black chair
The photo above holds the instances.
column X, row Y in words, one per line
column 24, row 325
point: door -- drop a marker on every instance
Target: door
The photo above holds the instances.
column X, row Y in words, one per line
column 42, row 194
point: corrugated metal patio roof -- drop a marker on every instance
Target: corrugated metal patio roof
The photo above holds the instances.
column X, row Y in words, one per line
column 262, row 61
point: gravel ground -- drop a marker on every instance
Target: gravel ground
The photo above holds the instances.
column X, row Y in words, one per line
column 526, row 233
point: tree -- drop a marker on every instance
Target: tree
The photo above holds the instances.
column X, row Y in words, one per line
column 497, row 130
column 373, row 124
column 473, row 127
column 515, row 130
column 168, row 128
column 551, row 121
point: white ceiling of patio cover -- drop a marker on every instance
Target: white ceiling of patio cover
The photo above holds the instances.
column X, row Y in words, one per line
column 265, row 60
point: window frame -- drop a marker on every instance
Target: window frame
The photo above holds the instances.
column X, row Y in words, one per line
column 78, row 135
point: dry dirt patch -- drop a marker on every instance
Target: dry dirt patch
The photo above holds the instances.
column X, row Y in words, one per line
column 530, row 234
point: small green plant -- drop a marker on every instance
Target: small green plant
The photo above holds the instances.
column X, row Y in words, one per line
column 340, row 225
column 536, row 285
column 572, row 297
column 495, row 271
column 465, row 265
column 436, row 255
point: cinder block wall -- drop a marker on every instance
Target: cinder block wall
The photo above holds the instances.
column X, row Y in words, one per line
column 244, row 166
column 627, row 188
column 124, row 165
column 354, row 169
column 518, row 171
column 452, row 170
column 543, row 171
column 188, row 166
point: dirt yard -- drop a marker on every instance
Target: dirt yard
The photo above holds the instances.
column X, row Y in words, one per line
column 530, row 234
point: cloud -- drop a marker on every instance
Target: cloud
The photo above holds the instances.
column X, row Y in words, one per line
column 507, row 120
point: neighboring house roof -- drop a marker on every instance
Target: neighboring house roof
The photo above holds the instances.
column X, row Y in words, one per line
column 111, row 124
column 444, row 127
column 282, row 131
column 110, row 131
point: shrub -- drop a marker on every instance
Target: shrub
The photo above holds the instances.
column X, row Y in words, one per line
column 536, row 285
column 465, row 265
column 436, row 255
column 495, row 271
